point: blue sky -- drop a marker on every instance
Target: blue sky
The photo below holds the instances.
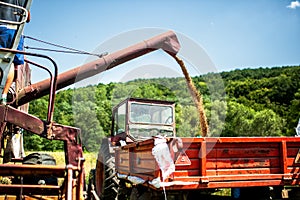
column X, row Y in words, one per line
column 234, row 34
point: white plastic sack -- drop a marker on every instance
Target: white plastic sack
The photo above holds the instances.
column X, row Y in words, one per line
column 163, row 157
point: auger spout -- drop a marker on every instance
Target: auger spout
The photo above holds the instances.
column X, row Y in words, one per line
column 167, row 42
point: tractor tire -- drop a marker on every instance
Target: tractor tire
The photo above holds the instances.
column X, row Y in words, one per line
column 139, row 193
column 91, row 185
column 105, row 180
column 40, row 159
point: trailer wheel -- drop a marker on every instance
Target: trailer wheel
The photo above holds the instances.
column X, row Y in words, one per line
column 105, row 180
column 258, row 193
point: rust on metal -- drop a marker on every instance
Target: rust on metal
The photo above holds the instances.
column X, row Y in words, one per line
column 243, row 163
column 70, row 135
column 168, row 42
column 73, row 188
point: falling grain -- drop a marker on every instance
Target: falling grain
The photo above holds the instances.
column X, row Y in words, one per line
column 196, row 97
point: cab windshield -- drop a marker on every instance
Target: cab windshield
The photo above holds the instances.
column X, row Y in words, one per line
column 151, row 114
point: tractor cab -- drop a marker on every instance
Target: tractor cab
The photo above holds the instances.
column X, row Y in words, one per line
column 140, row 119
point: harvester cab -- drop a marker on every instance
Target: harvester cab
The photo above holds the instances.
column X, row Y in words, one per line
column 137, row 119
column 13, row 18
column 14, row 121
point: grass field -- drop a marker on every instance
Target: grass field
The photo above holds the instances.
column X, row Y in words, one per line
column 90, row 160
column 90, row 163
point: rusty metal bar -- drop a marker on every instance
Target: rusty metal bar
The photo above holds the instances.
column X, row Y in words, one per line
column 70, row 135
column 28, row 189
column 33, row 170
column 51, row 81
column 22, row 170
column 52, row 89
column 80, row 183
column 168, row 42
column 21, row 119
column 69, row 188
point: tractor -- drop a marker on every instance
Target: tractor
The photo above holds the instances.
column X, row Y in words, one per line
column 143, row 159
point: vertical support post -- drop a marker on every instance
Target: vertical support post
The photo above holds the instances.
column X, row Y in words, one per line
column 283, row 157
column 80, row 183
column 2, row 122
column 131, row 159
column 69, row 188
column 202, row 158
column 117, row 159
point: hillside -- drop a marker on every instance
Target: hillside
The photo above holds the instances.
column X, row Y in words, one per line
column 248, row 102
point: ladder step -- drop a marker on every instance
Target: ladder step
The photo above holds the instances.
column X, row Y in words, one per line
column 33, row 170
column 28, row 189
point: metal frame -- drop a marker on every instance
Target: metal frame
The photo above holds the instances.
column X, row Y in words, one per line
column 72, row 190
column 24, row 19
column 219, row 162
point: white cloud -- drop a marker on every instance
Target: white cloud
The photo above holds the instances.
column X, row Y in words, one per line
column 294, row 5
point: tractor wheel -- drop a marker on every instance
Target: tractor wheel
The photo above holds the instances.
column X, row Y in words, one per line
column 105, row 180
column 40, row 159
column 140, row 193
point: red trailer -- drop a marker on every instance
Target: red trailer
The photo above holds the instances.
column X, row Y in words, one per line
column 149, row 158
column 217, row 162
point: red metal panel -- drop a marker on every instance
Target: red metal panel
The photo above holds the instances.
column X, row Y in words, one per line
column 122, row 161
column 143, row 162
column 294, row 171
column 257, row 140
column 195, row 163
column 245, row 151
column 250, row 156
column 137, row 160
column 242, row 177
column 240, row 163
column 283, row 156
column 234, row 162
column 248, row 171
column 203, row 160
column 257, row 183
column 187, row 173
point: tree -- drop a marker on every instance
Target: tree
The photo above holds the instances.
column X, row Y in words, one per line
column 85, row 118
column 189, row 122
column 216, row 114
column 260, row 102
column 293, row 114
column 244, row 121
column 267, row 123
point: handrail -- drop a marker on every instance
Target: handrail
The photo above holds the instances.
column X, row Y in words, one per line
column 53, row 78
column 52, row 89
column 18, row 7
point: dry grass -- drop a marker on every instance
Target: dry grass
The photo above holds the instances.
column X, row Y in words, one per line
column 90, row 163
column 90, row 160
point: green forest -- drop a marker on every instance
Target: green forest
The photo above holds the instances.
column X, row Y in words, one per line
column 257, row 102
